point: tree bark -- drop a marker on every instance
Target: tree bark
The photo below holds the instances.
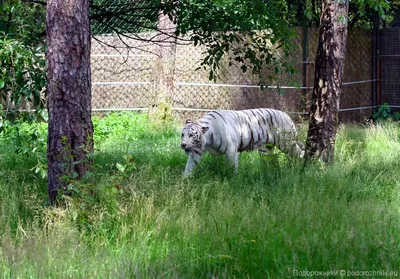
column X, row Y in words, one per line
column 70, row 132
column 329, row 66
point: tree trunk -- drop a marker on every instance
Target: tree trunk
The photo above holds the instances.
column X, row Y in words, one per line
column 163, row 70
column 329, row 65
column 70, row 132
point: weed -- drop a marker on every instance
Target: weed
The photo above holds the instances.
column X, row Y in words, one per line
column 384, row 113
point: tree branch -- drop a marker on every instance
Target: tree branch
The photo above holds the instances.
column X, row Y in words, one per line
column 44, row 3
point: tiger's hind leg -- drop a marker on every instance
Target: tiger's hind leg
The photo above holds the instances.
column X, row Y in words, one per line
column 266, row 150
column 292, row 147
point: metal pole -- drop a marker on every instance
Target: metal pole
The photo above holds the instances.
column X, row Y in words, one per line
column 306, row 66
column 375, row 61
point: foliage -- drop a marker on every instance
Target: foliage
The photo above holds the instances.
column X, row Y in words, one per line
column 23, row 21
column 379, row 6
column 228, row 28
column 126, row 16
column 22, row 75
column 384, row 112
column 22, row 64
column 135, row 216
column 360, row 12
column 253, row 35
column 27, row 139
column 119, row 125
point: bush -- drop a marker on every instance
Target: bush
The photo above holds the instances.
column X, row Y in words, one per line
column 384, row 112
column 22, row 75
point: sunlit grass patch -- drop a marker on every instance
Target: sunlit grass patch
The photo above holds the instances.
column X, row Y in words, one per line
column 136, row 216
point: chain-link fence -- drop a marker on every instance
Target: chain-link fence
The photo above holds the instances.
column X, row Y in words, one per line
column 390, row 65
column 120, row 75
column 122, row 78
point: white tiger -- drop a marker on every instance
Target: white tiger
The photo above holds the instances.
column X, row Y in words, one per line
column 230, row 132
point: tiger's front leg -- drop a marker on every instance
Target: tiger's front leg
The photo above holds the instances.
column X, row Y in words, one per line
column 193, row 160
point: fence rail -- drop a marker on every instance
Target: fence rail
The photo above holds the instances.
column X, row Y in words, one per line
column 124, row 81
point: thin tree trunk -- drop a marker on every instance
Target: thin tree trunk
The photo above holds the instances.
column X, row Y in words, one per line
column 328, row 80
column 70, row 131
column 164, row 70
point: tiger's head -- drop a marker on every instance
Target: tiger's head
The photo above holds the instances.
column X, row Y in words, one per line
column 192, row 137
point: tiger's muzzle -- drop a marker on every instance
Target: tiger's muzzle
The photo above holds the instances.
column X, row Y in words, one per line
column 185, row 147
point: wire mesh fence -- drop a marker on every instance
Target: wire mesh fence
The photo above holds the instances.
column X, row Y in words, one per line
column 390, row 65
column 122, row 78
column 120, row 75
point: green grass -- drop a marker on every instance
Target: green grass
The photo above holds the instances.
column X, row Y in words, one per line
column 142, row 219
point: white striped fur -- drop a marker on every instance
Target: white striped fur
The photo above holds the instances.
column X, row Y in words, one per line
column 230, row 132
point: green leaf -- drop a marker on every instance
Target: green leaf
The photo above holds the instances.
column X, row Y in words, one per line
column 114, row 191
column 120, row 167
column 211, row 76
column 74, row 175
column 43, row 173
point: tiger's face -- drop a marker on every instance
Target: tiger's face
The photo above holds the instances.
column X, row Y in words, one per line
column 192, row 137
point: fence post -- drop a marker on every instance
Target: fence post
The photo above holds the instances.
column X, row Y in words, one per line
column 305, row 67
column 376, row 61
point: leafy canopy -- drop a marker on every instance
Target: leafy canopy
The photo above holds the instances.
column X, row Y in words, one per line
column 308, row 12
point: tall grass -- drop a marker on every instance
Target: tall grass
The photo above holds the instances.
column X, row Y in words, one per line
column 135, row 216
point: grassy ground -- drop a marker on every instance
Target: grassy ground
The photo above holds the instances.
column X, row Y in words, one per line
column 135, row 216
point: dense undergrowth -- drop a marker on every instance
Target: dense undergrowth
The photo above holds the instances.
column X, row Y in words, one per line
column 135, row 216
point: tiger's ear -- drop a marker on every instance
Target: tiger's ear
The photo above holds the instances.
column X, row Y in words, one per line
column 188, row 121
column 204, row 129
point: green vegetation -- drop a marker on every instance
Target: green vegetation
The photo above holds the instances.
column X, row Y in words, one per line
column 384, row 113
column 22, row 75
column 22, row 78
column 135, row 216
